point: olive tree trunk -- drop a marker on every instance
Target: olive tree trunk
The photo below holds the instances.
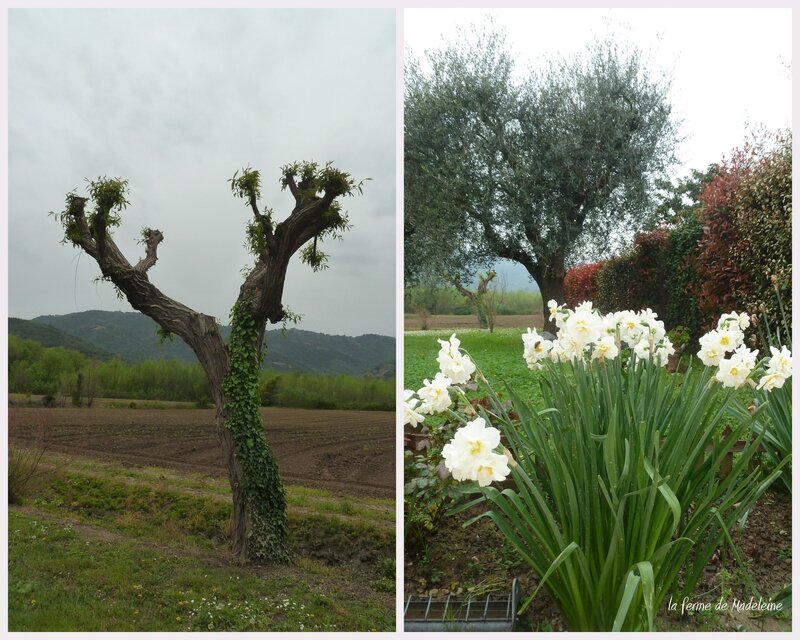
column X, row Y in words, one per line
column 477, row 298
column 551, row 288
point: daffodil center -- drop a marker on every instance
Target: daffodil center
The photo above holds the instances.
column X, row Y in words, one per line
column 475, row 447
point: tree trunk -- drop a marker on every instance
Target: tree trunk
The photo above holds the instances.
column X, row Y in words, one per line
column 213, row 357
column 551, row 288
column 239, row 519
column 477, row 298
column 480, row 300
column 257, row 522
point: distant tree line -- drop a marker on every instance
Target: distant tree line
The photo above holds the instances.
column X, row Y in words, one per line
column 69, row 376
column 444, row 300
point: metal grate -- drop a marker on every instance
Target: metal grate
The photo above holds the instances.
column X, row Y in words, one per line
column 494, row 612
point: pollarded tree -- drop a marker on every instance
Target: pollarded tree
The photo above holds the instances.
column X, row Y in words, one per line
column 477, row 298
column 259, row 508
column 542, row 171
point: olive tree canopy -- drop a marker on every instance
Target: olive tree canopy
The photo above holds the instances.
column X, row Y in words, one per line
column 544, row 171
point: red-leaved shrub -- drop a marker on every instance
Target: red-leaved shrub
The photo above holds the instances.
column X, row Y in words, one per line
column 580, row 283
column 746, row 247
column 635, row 280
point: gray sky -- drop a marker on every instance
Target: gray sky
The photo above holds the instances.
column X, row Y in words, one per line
column 729, row 67
column 176, row 101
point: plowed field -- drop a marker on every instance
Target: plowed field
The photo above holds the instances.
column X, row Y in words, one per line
column 351, row 452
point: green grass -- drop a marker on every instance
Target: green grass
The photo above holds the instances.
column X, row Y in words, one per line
column 97, row 546
column 498, row 355
column 184, row 515
column 61, row 581
column 299, row 498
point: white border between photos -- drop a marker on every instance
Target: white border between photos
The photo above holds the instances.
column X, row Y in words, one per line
column 399, row 6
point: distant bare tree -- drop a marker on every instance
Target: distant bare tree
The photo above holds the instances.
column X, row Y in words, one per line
column 494, row 297
column 476, row 298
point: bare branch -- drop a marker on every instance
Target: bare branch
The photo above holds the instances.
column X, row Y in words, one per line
column 196, row 329
column 154, row 238
column 292, row 186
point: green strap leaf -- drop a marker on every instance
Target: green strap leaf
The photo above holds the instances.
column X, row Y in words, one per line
column 566, row 553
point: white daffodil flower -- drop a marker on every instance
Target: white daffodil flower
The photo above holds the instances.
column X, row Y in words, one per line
column 770, row 381
column 739, row 321
column 470, row 454
column 643, row 349
column 410, row 404
column 449, row 348
column 435, row 395
column 605, row 349
column 780, row 362
column 664, row 350
column 535, row 348
column 735, row 370
column 491, row 468
column 455, row 365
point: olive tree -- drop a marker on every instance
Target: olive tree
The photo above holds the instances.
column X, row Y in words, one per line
column 541, row 170
column 259, row 508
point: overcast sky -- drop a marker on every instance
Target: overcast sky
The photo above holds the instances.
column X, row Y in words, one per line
column 176, row 101
column 729, row 67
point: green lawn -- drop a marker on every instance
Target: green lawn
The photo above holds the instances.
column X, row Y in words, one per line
column 96, row 548
column 497, row 355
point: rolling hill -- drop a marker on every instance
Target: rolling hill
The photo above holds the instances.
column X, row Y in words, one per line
column 49, row 336
column 133, row 338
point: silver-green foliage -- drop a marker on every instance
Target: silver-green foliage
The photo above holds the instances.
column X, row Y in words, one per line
column 536, row 169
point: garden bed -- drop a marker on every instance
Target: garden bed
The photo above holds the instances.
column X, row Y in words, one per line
column 475, row 559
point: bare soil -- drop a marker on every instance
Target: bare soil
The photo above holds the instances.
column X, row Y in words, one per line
column 458, row 560
column 414, row 322
column 349, row 452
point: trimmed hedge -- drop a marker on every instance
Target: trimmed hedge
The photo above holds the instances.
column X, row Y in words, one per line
column 681, row 276
column 635, row 280
column 720, row 277
column 747, row 234
column 731, row 251
column 580, row 283
column 763, row 219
